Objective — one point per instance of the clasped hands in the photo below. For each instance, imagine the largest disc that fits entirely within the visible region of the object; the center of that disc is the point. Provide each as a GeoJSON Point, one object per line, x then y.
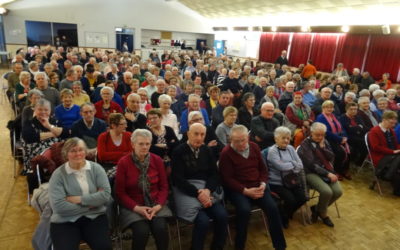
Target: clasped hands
{"type": "Point", "coordinates": [255, 192]}
{"type": "Point", "coordinates": [204, 197]}
{"type": "Point", "coordinates": [147, 212]}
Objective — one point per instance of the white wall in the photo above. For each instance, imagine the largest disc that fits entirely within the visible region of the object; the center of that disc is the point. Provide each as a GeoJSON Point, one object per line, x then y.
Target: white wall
{"type": "Point", "coordinates": [103, 16]}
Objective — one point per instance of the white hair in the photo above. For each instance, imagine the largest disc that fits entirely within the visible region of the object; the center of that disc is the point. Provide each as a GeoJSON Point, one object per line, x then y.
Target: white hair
{"type": "Point", "coordinates": [373, 87]}
{"type": "Point", "coordinates": [40, 74]}
{"type": "Point", "coordinates": [107, 88]}
{"type": "Point", "coordinates": [127, 73]}
{"type": "Point", "coordinates": [141, 133]}
{"type": "Point", "coordinates": [193, 114]}
{"type": "Point", "coordinates": [317, 126]}
{"type": "Point", "coordinates": [133, 95]}
{"type": "Point", "coordinates": [378, 92]}
{"type": "Point", "coordinates": [282, 131]}
{"type": "Point", "coordinates": [164, 98]}
{"type": "Point", "coordinates": [239, 129]}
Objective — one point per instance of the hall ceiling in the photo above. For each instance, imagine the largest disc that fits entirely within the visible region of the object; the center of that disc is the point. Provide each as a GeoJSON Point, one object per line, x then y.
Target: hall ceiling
{"type": "Point", "coordinates": [216, 9]}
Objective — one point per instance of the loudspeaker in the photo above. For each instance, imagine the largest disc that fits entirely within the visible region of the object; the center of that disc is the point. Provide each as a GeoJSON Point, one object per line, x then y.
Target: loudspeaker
{"type": "Point", "coordinates": [386, 29]}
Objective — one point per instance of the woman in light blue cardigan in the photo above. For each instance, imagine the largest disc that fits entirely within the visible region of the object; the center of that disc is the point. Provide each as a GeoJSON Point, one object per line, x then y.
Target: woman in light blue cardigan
{"type": "Point", "coordinates": [282, 160]}
{"type": "Point", "coordinates": [78, 193]}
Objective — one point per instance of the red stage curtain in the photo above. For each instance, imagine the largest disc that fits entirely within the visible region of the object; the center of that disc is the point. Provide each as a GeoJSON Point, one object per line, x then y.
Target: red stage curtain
{"type": "Point", "coordinates": [323, 51]}
{"type": "Point", "coordinates": [271, 45]}
{"type": "Point", "coordinates": [299, 48]}
{"type": "Point", "coordinates": [351, 51]}
{"type": "Point", "coordinates": [383, 56]}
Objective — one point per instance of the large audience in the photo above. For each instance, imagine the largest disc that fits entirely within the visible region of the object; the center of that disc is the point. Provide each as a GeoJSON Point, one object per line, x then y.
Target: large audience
{"type": "Point", "coordinates": [188, 134]}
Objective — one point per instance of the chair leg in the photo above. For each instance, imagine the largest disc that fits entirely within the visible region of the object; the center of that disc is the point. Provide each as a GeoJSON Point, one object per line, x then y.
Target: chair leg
{"type": "Point", "coordinates": [337, 210]}
{"type": "Point", "coordinates": [379, 185]}
{"type": "Point", "coordinates": [179, 234]}
{"type": "Point", "coordinates": [229, 235]}
{"type": "Point", "coordinates": [304, 214]}
{"type": "Point", "coordinates": [170, 237]}
{"type": "Point", "coordinates": [265, 222]}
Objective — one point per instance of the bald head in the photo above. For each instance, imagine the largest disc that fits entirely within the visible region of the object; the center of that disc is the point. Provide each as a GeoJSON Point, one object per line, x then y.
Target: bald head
{"type": "Point", "coordinates": [267, 110]}
{"type": "Point", "coordinates": [196, 135]}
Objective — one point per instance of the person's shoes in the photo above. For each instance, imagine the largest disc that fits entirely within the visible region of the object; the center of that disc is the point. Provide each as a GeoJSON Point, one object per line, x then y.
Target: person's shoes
{"type": "Point", "coordinates": [314, 214]}
{"type": "Point", "coordinates": [327, 221]}
{"type": "Point", "coordinates": [340, 177]}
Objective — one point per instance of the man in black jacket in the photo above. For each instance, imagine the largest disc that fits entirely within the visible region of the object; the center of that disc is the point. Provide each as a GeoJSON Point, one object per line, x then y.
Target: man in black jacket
{"type": "Point", "coordinates": [282, 60]}
{"type": "Point", "coordinates": [263, 126]}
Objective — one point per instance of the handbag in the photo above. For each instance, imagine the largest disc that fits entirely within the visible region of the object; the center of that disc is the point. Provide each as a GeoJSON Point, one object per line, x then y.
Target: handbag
{"type": "Point", "coordinates": [291, 180]}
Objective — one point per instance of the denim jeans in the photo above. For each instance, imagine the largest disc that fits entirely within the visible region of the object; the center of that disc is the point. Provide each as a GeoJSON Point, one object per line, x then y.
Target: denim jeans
{"type": "Point", "coordinates": [219, 216]}
{"type": "Point", "coordinates": [243, 205]}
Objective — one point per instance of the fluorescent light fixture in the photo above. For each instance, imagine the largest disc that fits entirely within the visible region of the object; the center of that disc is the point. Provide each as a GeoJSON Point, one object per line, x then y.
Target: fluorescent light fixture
{"type": "Point", "coordinates": [345, 28]}
{"type": "Point", "coordinates": [2, 10]}
{"type": "Point", "coordinates": [274, 28]}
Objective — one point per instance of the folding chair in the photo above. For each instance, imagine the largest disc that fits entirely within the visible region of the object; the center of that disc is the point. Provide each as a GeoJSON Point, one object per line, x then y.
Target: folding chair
{"type": "Point", "coordinates": [368, 160]}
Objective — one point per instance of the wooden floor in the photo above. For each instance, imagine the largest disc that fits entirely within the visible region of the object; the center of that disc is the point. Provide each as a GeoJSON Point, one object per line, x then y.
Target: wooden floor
{"type": "Point", "coordinates": [368, 221]}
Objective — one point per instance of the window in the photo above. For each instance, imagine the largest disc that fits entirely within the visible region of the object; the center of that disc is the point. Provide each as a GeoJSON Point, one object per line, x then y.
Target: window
{"type": "Point", "coordinates": [39, 33]}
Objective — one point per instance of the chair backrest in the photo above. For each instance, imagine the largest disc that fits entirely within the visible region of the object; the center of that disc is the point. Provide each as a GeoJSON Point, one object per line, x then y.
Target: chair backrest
{"type": "Point", "coordinates": [369, 151]}
{"type": "Point", "coordinates": [264, 155]}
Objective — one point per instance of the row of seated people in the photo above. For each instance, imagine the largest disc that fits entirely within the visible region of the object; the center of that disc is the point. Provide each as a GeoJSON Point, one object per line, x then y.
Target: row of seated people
{"type": "Point", "coordinates": [79, 189]}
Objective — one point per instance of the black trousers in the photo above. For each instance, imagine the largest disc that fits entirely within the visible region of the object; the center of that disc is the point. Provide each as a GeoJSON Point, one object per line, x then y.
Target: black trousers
{"type": "Point", "coordinates": [341, 163]}
{"type": "Point", "coordinates": [358, 150]}
{"type": "Point", "coordinates": [292, 199]}
{"type": "Point", "coordinates": [67, 236]}
{"type": "Point", "coordinates": [141, 232]}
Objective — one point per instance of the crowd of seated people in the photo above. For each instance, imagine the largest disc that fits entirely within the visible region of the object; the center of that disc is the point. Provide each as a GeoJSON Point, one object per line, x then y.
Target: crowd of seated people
{"type": "Point", "coordinates": [173, 118]}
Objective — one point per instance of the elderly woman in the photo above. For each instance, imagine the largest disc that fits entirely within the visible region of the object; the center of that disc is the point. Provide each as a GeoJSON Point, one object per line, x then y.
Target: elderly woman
{"type": "Point", "coordinates": [106, 106]}
{"type": "Point", "coordinates": [356, 130]}
{"type": "Point", "coordinates": [144, 101]}
{"type": "Point", "coordinates": [22, 88]}
{"type": "Point", "coordinates": [40, 132]}
{"type": "Point", "coordinates": [382, 107]}
{"type": "Point", "coordinates": [392, 103]}
{"type": "Point", "coordinates": [78, 193]}
{"type": "Point", "coordinates": [317, 157]}
{"type": "Point", "coordinates": [67, 112]}
{"type": "Point", "coordinates": [168, 117]}
{"type": "Point", "coordinates": [270, 97]}
{"type": "Point", "coordinates": [80, 97]}
{"type": "Point", "coordinates": [115, 143]}
{"type": "Point", "coordinates": [369, 118]}
{"type": "Point", "coordinates": [223, 130]}
{"type": "Point", "coordinates": [337, 139]}
{"type": "Point", "coordinates": [248, 110]}
{"type": "Point", "coordinates": [34, 96]}
{"type": "Point", "coordinates": [301, 117]}
{"type": "Point", "coordinates": [164, 138]}
{"type": "Point", "coordinates": [54, 80]}
{"type": "Point", "coordinates": [285, 165]}
{"type": "Point", "coordinates": [142, 190]}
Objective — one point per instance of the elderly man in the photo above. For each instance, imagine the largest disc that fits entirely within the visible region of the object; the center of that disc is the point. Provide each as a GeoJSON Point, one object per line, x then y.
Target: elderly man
{"type": "Point", "coordinates": [132, 113]}
{"type": "Point", "coordinates": [216, 113]}
{"type": "Point", "coordinates": [88, 128]}
{"type": "Point", "coordinates": [231, 83]}
{"type": "Point", "coordinates": [195, 175]}
{"type": "Point", "coordinates": [356, 76]}
{"type": "Point", "coordinates": [317, 157]}
{"type": "Point", "coordinates": [124, 83]}
{"type": "Point", "coordinates": [70, 78]}
{"type": "Point", "coordinates": [244, 176]}
{"type": "Point", "coordinates": [326, 94]}
{"type": "Point", "coordinates": [50, 93]}
{"type": "Point", "coordinates": [365, 81]}
{"type": "Point", "coordinates": [160, 85]}
{"type": "Point", "coordinates": [282, 60]}
{"type": "Point", "coordinates": [287, 96]}
{"type": "Point", "coordinates": [264, 125]}
{"type": "Point", "coordinates": [193, 105]}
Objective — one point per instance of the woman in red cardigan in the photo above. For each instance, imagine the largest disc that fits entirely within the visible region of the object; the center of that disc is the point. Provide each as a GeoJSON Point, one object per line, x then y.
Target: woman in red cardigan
{"type": "Point", "coordinates": [142, 190]}
{"type": "Point", "coordinates": [106, 106]}
{"type": "Point", "coordinates": [115, 143]}
{"type": "Point", "coordinates": [385, 150]}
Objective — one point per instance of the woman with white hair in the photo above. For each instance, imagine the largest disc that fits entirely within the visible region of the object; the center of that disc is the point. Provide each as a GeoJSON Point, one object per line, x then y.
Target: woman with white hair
{"type": "Point", "coordinates": [317, 158]}
{"type": "Point", "coordinates": [141, 187]}
{"type": "Point", "coordinates": [168, 117]}
{"type": "Point", "coordinates": [144, 101]}
{"type": "Point", "coordinates": [106, 105]}
{"type": "Point", "coordinates": [286, 176]}
{"type": "Point", "coordinates": [392, 104]}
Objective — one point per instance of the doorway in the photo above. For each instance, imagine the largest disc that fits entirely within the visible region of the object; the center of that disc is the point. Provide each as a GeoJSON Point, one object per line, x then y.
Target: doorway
{"type": "Point", "coordinates": [124, 39]}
